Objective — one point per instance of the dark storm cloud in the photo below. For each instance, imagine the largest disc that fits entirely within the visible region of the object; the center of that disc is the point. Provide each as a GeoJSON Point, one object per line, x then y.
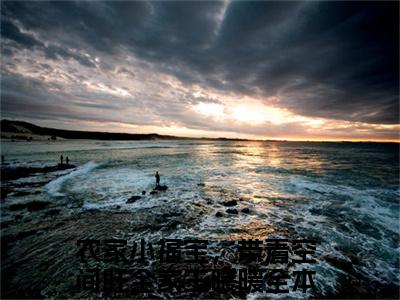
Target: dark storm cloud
{"type": "Point", "coordinates": [10, 31]}
{"type": "Point", "coordinates": [324, 59]}
{"type": "Point", "coordinates": [27, 98]}
{"type": "Point", "coordinates": [32, 99]}
{"type": "Point", "coordinates": [54, 52]}
{"type": "Point", "coordinates": [22, 40]}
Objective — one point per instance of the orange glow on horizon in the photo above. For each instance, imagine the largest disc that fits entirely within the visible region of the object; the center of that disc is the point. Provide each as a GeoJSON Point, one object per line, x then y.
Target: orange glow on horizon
{"type": "Point", "coordinates": [193, 133]}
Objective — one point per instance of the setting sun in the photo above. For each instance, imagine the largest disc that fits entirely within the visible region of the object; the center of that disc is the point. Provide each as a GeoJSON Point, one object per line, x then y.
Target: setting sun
{"type": "Point", "coordinates": [210, 109]}
{"type": "Point", "coordinates": [250, 113]}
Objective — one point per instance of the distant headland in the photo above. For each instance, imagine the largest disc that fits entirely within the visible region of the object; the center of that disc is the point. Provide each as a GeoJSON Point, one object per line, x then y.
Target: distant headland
{"type": "Point", "coordinates": [25, 131]}
{"type": "Point", "coordinates": [20, 130]}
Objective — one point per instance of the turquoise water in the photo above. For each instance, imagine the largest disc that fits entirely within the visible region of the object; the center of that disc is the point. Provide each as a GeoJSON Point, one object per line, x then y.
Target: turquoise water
{"type": "Point", "coordinates": [344, 195]}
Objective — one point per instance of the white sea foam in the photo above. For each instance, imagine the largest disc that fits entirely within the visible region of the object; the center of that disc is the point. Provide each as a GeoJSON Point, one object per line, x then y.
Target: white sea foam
{"type": "Point", "coordinates": [54, 187]}
{"type": "Point", "coordinates": [363, 201]}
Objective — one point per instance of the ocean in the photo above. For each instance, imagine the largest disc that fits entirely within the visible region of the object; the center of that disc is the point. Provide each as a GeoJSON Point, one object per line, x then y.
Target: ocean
{"type": "Point", "coordinates": [345, 196]}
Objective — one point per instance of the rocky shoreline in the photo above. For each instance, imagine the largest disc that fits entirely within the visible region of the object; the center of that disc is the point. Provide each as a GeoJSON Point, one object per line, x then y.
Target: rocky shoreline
{"type": "Point", "coordinates": [13, 173]}
{"type": "Point", "coordinates": [39, 242]}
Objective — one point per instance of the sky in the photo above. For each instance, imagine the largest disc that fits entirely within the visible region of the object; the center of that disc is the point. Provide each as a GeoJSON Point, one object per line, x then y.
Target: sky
{"type": "Point", "coordinates": [262, 70]}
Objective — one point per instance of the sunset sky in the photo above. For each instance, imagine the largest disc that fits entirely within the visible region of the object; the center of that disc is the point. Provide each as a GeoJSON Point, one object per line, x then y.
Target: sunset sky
{"type": "Point", "coordinates": [263, 70]}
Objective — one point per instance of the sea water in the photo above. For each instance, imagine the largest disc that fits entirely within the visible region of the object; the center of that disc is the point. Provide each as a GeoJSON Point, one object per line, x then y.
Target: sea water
{"type": "Point", "coordinates": [343, 195]}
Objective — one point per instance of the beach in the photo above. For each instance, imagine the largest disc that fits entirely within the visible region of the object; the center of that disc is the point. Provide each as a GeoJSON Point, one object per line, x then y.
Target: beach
{"type": "Point", "coordinates": [342, 195]}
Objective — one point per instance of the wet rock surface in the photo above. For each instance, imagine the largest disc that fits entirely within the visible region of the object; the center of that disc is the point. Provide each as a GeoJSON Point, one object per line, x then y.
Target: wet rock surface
{"type": "Point", "coordinates": [232, 211]}
{"type": "Point", "coordinates": [33, 251]}
{"type": "Point", "coordinates": [230, 203]}
{"type": "Point", "coordinates": [158, 188]}
{"type": "Point", "coordinates": [245, 210]}
{"type": "Point", "coordinates": [10, 173]}
{"type": "Point", "coordinates": [133, 199]}
{"type": "Point", "coordinates": [52, 212]}
{"type": "Point", "coordinates": [30, 206]}
{"type": "Point", "coordinates": [161, 188]}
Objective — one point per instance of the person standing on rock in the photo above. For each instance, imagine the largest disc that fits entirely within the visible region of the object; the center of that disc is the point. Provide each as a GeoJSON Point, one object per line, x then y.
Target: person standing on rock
{"type": "Point", "coordinates": [157, 179]}
{"type": "Point", "coordinates": [61, 159]}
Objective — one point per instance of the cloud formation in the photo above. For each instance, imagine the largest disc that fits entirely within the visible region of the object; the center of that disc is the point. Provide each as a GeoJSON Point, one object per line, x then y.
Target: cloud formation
{"type": "Point", "coordinates": [334, 64]}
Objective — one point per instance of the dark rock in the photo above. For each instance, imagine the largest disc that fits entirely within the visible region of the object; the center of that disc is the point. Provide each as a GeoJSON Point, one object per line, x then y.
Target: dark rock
{"type": "Point", "coordinates": [15, 173]}
{"type": "Point", "coordinates": [36, 205]}
{"type": "Point", "coordinates": [18, 217]}
{"type": "Point", "coordinates": [52, 212]}
{"type": "Point", "coordinates": [232, 211]}
{"type": "Point", "coordinates": [118, 207]}
{"type": "Point", "coordinates": [5, 224]}
{"type": "Point", "coordinates": [143, 193]}
{"type": "Point", "coordinates": [133, 199]}
{"type": "Point", "coordinates": [153, 192]}
{"type": "Point", "coordinates": [17, 206]}
{"type": "Point", "coordinates": [219, 214]}
{"type": "Point", "coordinates": [24, 234]}
{"type": "Point", "coordinates": [24, 193]}
{"type": "Point", "coordinates": [354, 259]}
{"type": "Point", "coordinates": [31, 206]}
{"type": "Point", "coordinates": [201, 184]}
{"type": "Point", "coordinates": [31, 185]}
{"type": "Point", "coordinates": [245, 210]}
{"type": "Point", "coordinates": [161, 188]}
{"type": "Point", "coordinates": [229, 203]}
{"type": "Point", "coordinates": [339, 263]}
{"type": "Point", "coordinates": [20, 193]}
{"type": "Point", "coordinates": [65, 166]}
{"type": "Point", "coordinates": [174, 214]}
{"type": "Point", "coordinates": [209, 201]}
{"type": "Point", "coordinates": [3, 193]}
{"type": "Point", "coordinates": [172, 225]}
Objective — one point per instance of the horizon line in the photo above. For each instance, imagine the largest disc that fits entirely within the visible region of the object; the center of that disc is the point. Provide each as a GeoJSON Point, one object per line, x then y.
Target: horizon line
{"type": "Point", "coordinates": [311, 140]}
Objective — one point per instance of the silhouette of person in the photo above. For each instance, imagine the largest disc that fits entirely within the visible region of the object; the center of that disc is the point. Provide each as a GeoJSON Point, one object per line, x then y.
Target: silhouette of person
{"type": "Point", "coordinates": [157, 179]}
{"type": "Point", "coordinates": [61, 159]}
{"type": "Point", "coordinates": [67, 160]}
{"type": "Point", "coordinates": [2, 159]}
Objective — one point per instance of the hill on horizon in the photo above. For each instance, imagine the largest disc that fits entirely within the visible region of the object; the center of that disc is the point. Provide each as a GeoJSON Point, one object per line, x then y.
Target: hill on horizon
{"type": "Point", "coordinates": [11, 129]}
